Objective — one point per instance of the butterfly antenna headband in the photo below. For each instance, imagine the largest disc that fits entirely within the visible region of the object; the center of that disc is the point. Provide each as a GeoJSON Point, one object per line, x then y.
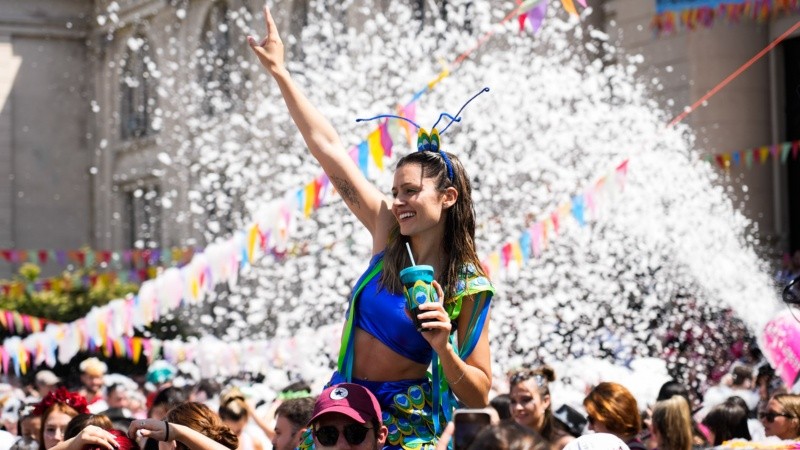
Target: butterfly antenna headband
{"type": "Point", "coordinates": [457, 118]}
{"type": "Point", "coordinates": [430, 142]}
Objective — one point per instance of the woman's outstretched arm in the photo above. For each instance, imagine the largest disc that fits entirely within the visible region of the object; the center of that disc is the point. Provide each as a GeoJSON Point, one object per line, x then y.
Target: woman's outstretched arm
{"type": "Point", "coordinates": [369, 205]}
{"type": "Point", "coordinates": [161, 430]}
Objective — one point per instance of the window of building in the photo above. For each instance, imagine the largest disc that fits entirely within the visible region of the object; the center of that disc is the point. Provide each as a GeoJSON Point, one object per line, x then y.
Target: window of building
{"type": "Point", "coordinates": [145, 214]}
{"type": "Point", "coordinates": [216, 60]}
{"type": "Point", "coordinates": [137, 88]}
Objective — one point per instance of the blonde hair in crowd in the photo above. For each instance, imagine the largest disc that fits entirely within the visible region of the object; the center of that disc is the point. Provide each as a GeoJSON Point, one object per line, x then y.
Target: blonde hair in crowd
{"type": "Point", "coordinates": [672, 419]}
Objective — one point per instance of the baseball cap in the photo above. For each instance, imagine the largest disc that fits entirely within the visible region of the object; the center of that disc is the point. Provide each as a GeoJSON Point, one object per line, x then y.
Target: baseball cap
{"type": "Point", "coordinates": [352, 400]}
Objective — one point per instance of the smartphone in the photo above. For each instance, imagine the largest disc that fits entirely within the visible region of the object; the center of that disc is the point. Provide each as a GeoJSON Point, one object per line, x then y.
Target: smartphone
{"type": "Point", "coordinates": [468, 423]}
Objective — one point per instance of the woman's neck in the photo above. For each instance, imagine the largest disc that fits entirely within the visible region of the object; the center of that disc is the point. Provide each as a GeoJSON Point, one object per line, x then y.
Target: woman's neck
{"type": "Point", "coordinates": [428, 250]}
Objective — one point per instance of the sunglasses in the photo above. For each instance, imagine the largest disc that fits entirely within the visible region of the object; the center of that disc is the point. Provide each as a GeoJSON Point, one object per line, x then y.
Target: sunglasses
{"type": "Point", "coordinates": [770, 416]}
{"type": "Point", "coordinates": [525, 375]}
{"type": "Point", "coordinates": [354, 434]}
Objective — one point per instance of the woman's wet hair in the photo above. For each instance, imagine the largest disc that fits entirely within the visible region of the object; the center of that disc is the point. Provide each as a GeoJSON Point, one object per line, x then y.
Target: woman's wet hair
{"type": "Point", "coordinates": [459, 230]}
{"type": "Point", "coordinates": [728, 420]}
{"type": "Point", "coordinates": [232, 406]}
{"type": "Point", "coordinates": [202, 419]}
{"type": "Point", "coordinates": [509, 435]}
{"type": "Point", "coordinates": [615, 407]}
{"type": "Point", "coordinates": [673, 420]}
{"type": "Point", "coordinates": [81, 421]}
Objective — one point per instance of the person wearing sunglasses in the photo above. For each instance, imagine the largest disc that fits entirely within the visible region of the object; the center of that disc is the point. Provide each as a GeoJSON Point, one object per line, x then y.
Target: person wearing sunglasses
{"type": "Point", "coordinates": [781, 417]}
{"type": "Point", "coordinates": [346, 416]}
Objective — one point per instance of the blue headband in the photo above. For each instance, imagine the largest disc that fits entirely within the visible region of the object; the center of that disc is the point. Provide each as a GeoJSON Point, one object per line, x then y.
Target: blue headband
{"type": "Point", "coordinates": [430, 142]}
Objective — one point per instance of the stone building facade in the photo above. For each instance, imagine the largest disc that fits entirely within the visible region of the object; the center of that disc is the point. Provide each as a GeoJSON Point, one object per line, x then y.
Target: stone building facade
{"type": "Point", "coordinates": [85, 141]}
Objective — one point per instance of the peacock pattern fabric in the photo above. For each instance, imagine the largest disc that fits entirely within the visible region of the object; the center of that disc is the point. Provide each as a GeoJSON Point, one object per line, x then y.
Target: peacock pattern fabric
{"type": "Point", "coordinates": [416, 411]}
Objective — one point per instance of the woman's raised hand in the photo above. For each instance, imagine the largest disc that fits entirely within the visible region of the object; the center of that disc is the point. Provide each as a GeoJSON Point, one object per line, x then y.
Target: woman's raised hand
{"type": "Point", "coordinates": [150, 428]}
{"type": "Point", "coordinates": [438, 328]}
{"type": "Point", "coordinates": [94, 436]}
{"type": "Point", "coordinates": [270, 49]}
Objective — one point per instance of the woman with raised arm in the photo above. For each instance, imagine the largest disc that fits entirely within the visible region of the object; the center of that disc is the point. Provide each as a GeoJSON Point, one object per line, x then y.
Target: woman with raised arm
{"type": "Point", "coordinates": [432, 212]}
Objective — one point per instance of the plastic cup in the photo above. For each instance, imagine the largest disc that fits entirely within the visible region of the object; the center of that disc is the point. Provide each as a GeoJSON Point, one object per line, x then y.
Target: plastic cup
{"type": "Point", "coordinates": [418, 289]}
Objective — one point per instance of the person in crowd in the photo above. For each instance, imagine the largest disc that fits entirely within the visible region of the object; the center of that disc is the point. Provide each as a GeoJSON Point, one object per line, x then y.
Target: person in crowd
{"type": "Point", "coordinates": [291, 420]}
{"type": "Point", "coordinates": [295, 389]}
{"type": "Point", "coordinates": [671, 426]}
{"type": "Point", "coordinates": [346, 415]}
{"type": "Point", "coordinates": [727, 421]}
{"type": "Point", "coordinates": [93, 437]}
{"type": "Point", "coordinates": [754, 426]}
{"type": "Point", "coordinates": [44, 382]}
{"type": "Point", "coordinates": [82, 421]}
{"type": "Point", "coordinates": [781, 417]}
{"type": "Point", "coordinates": [118, 399]}
{"type": "Point", "coordinates": [117, 396]}
{"type": "Point", "coordinates": [508, 435]}
{"type": "Point", "coordinates": [10, 404]}
{"type": "Point", "coordinates": [432, 218]}
{"type": "Point", "coordinates": [56, 410]}
{"type": "Point", "coordinates": [667, 391]}
{"type": "Point", "coordinates": [29, 424]}
{"type": "Point", "coordinates": [159, 377]}
{"type": "Point", "coordinates": [531, 404]}
{"type": "Point", "coordinates": [165, 400]}
{"type": "Point", "coordinates": [611, 408]}
{"type": "Point", "coordinates": [210, 434]}
{"type": "Point", "coordinates": [502, 404]}
{"type": "Point", "coordinates": [202, 419]}
{"type": "Point", "coordinates": [236, 413]}
{"type": "Point", "coordinates": [92, 372]}
{"type": "Point", "coordinates": [597, 441]}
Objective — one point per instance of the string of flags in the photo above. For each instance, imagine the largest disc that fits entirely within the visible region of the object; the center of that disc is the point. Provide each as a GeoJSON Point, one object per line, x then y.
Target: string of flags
{"type": "Point", "coordinates": [135, 258]}
{"type": "Point", "coordinates": [533, 12]}
{"type": "Point", "coordinates": [516, 253]}
{"type": "Point", "coordinates": [110, 327]}
{"type": "Point", "coordinates": [16, 323]}
{"type": "Point", "coordinates": [780, 152]}
{"type": "Point", "coordinates": [676, 15]}
{"type": "Point", "coordinates": [69, 282]}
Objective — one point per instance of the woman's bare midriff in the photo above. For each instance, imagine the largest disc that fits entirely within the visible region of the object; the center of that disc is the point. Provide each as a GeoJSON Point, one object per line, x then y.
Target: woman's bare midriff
{"type": "Point", "coordinates": [374, 361]}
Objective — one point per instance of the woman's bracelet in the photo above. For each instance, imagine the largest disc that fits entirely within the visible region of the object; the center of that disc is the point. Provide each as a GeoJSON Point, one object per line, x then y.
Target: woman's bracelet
{"type": "Point", "coordinates": [166, 431]}
{"type": "Point", "coordinates": [459, 378]}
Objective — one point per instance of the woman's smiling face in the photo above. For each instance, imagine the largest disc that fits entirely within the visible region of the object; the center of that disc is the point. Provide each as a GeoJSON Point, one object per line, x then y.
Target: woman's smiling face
{"type": "Point", "coordinates": [527, 405]}
{"type": "Point", "coordinates": [418, 206]}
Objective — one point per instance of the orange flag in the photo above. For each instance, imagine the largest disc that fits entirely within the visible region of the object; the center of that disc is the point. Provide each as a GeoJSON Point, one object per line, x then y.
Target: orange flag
{"type": "Point", "coordinates": [569, 6]}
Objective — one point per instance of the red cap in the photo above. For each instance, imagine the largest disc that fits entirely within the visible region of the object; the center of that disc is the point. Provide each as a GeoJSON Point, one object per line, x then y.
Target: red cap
{"type": "Point", "coordinates": [352, 400]}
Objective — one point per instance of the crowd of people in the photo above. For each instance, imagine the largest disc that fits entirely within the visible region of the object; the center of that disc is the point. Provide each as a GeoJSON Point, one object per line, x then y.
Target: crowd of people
{"type": "Point", "coordinates": [173, 409]}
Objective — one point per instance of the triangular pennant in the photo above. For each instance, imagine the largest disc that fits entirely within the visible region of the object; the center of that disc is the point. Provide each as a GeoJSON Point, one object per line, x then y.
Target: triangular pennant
{"type": "Point", "coordinates": [569, 6]}
{"type": "Point", "coordinates": [363, 157]}
{"type": "Point", "coordinates": [386, 140]}
{"type": "Point", "coordinates": [376, 148]}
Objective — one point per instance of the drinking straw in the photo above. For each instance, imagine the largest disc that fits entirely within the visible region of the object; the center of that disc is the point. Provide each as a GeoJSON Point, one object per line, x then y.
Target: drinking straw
{"type": "Point", "coordinates": [410, 255]}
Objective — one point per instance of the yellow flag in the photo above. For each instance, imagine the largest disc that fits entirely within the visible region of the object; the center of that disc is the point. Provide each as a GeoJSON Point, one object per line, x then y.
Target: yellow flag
{"type": "Point", "coordinates": [309, 199]}
{"type": "Point", "coordinates": [376, 148]}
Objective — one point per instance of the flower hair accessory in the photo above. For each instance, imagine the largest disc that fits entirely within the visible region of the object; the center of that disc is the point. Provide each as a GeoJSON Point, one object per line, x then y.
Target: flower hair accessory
{"type": "Point", "coordinates": [430, 142]}
{"type": "Point", "coordinates": [62, 395]}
